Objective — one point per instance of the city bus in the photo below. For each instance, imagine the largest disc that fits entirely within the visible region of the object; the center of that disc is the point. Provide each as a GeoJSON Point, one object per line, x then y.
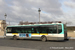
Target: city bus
{"type": "Point", "coordinates": [44, 32]}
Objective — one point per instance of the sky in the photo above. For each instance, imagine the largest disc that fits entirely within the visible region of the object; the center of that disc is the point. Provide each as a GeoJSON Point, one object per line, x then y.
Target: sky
{"type": "Point", "coordinates": [27, 10]}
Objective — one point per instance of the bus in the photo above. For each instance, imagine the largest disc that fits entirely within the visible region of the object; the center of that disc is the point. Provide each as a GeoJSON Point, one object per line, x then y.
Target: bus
{"type": "Point", "coordinates": [44, 32]}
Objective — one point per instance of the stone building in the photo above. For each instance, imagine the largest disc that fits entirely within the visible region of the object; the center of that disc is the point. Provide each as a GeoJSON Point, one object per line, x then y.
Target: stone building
{"type": "Point", "coordinates": [71, 31]}
{"type": "Point", "coordinates": [2, 27]}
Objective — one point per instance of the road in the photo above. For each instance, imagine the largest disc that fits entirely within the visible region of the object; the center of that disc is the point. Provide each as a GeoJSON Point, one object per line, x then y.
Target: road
{"type": "Point", "coordinates": [37, 44]}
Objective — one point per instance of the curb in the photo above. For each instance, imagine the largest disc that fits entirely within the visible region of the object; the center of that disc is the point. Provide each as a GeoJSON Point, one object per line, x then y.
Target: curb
{"type": "Point", "coordinates": [71, 38]}
{"type": "Point", "coordinates": [2, 36]}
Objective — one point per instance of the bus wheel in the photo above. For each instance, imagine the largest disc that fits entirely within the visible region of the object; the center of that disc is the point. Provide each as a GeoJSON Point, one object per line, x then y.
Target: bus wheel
{"type": "Point", "coordinates": [43, 38]}
{"type": "Point", "coordinates": [15, 37]}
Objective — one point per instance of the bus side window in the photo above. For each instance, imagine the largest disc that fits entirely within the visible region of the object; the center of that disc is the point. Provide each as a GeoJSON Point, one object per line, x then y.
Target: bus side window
{"type": "Point", "coordinates": [28, 30]}
{"type": "Point", "coordinates": [59, 28]}
{"type": "Point", "coordinates": [36, 30]}
{"type": "Point", "coordinates": [9, 30]}
{"type": "Point", "coordinates": [33, 30]}
{"type": "Point", "coordinates": [25, 30]}
{"type": "Point", "coordinates": [54, 30]}
{"type": "Point", "coordinates": [17, 31]}
{"type": "Point", "coordinates": [22, 31]}
{"type": "Point", "coordinates": [49, 30]}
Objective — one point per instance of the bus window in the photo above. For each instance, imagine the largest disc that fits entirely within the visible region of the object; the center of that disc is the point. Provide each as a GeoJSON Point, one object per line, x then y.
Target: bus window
{"type": "Point", "coordinates": [52, 30]}
{"type": "Point", "coordinates": [37, 31]}
{"type": "Point", "coordinates": [27, 30]}
{"type": "Point", "coordinates": [49, 30]}
{"type": "Point", "coordinates": [33, 30]}
{"type": "Point", "coordinates": [65, 28]}
{"type": "Point", "coordinates": [41, 30]}
{"type": "Point", "coordinates": [59, 28]}
{"type": "Point", "coordinates": [9, 30]}
{"type": "Point", "coordinates": [17, 30]}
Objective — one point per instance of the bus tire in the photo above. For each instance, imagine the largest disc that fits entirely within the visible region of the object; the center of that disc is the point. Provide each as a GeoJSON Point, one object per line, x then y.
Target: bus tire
{"type": "Point", "coordinates": [43, 38]}
{"type": "Point", "coordinates": [15, 37]}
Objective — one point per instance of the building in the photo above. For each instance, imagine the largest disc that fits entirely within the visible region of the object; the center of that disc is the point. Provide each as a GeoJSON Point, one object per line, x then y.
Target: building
{"type": "Point", "coordinates": [71, 31]}
{"type": "Point", "coordinates": [2, 27]}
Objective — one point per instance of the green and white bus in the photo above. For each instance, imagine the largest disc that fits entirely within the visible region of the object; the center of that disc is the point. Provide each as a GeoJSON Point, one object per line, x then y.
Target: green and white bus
{"type": "Point", "coordinates": [38, 31]}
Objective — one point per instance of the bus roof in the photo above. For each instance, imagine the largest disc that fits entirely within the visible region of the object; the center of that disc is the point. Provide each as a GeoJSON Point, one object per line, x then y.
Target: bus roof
{"type": "Point", "coordinates": [34, 25]}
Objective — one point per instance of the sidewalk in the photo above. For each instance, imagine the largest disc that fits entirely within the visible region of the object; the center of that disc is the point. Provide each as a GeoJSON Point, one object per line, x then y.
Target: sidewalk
{"type": "Point", "coordinates": [14, 48]}
{"type": "Point", "coordinates": [2, 36]}
{"type": "Point", "coordinates": [71, 38]}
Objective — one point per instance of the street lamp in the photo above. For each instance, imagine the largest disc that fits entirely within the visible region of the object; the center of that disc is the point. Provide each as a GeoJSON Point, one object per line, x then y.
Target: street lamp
{"type": "Point", "coordinates": [5, 16]}
{"type": "Point", "coordinates": [39, 14]}
{"type": "Point", "coordinates": [5, 25]}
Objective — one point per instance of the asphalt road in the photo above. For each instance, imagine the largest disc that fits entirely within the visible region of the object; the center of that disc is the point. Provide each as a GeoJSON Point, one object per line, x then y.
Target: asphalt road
{"type": "Point", "coordinates": [37, 44]}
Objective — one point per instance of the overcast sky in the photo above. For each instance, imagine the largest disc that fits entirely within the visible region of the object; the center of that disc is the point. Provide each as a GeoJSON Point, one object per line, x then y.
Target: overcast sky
{"type": "Point", "coordinates": [27, 10]}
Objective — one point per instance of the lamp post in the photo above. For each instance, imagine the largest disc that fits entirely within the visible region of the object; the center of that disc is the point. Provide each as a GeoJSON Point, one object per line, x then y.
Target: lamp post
{"type": "Point", "coordinates": [5, 25]}
{"type": "Point", "coordinates": [5, 16]}
{"type": "Point", "coordinates": [39, 14]}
